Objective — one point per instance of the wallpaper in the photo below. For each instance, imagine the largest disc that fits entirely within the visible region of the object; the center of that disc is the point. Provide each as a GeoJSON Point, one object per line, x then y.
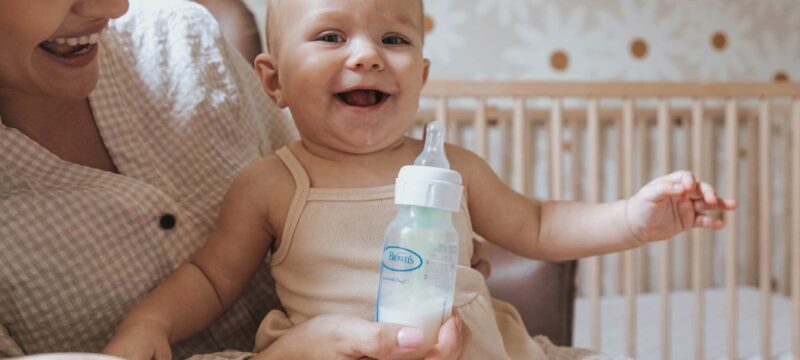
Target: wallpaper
{"type": "Point", "coordinates": [675, 40]}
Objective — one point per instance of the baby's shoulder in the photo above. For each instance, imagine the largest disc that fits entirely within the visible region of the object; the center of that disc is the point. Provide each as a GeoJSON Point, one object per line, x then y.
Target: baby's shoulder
{"type": "Point", "coordinates": [266, 178]}
{"type": "Point", "coordinates": [466, 162]}
{"type": "Point", "coordinates": [269, 172]}
{"type": "Point", "coordinates": [268, 185]}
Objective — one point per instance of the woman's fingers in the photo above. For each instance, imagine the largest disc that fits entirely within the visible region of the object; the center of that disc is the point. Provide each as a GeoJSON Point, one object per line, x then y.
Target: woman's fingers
{"type": "Point", "coordinates": [382, 340]}
{"type": "Point", "coordinates": [450, 341]}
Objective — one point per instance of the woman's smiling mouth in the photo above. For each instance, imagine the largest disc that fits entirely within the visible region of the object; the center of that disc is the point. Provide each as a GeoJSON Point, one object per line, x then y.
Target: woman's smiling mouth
{"type": "Point", "coordinates": [70, 47]}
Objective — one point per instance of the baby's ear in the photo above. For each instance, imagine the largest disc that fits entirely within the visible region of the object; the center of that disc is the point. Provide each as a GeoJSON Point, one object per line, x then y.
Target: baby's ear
{"type": "Point", "coordinates": [267, 70]}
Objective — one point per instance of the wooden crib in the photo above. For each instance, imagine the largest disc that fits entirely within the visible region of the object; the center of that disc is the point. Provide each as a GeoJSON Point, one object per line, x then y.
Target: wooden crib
{"type": "Point", "coordinates": [604, 141]}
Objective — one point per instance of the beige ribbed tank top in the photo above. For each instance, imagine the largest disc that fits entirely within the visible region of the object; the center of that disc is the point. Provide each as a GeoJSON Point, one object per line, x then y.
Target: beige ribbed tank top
{"type": "Point", "coordinates": [329, 259]}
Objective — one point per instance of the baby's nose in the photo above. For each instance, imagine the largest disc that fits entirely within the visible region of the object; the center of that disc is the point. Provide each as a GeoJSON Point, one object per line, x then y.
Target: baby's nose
{"type": "Point", "coordinates": [365, 57]}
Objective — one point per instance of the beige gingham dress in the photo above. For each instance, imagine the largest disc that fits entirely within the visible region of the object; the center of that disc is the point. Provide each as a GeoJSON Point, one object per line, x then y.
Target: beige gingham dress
{"type": "Point", "coordinates": [181, 114]}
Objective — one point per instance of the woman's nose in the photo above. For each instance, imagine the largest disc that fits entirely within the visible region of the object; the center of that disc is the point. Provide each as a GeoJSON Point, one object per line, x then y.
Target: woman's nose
{"type": "Point", "coordinates": [110, 9]}
{"type": "Point", "coordinates": [365, 56]}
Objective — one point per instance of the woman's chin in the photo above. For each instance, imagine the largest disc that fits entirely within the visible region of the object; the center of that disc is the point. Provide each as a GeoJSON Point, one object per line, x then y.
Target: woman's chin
{"type": "Point", "coordinates": [67, 82]}
{"type": "Point", "coordinates": [77, 88]}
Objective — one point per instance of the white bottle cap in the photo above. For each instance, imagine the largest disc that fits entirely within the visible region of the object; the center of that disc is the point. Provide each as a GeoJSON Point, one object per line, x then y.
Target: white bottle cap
{"type": "Point", "coordinates": [428, 186]}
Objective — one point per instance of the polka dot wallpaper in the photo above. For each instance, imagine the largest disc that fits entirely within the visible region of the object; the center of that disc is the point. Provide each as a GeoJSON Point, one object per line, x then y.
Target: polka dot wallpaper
{"type": "Point", "coordinates": [676, 40]}
{"type": "Point", "coordinates": [704, 40]}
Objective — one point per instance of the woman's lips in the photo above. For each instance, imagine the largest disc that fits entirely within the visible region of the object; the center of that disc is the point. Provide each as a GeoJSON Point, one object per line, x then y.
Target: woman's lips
{"type": "Point", "coordinates": [71, 46]}
{"type": "Point", "coordinates": [78, 57]}
{"type": "Point", "coordinates": [76, 51]}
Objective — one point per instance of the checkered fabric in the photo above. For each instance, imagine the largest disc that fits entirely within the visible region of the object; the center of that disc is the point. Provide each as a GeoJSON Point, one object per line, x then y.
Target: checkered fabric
{"type": "Point", "coordinates": [552, 352]}
{"type": "Point", "coordinates": [181, 114]}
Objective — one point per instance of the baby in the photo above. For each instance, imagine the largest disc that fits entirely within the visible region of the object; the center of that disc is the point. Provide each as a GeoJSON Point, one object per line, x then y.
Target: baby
{"type": "Point", "coordinates": [351, 73]}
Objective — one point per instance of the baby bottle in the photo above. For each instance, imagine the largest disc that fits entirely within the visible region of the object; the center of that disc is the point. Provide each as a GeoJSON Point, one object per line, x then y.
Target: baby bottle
{"type": "Point", "coordinates": [420, 251]}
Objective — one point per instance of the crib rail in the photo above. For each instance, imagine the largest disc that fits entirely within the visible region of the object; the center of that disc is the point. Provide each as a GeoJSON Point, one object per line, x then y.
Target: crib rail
{"type": "Point", "coordinates": [706, 115]}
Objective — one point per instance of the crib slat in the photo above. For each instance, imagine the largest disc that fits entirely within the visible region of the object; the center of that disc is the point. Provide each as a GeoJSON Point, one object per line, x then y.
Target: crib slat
{"type": "Point", "coordinates": [480, 128]}
{"type": "Point", "coordinates": [556, 148]}
{"type": "Point", "coordinates": [796, 227]}
{"type": "Point", "coordinates": [697, 238]}
{"type": "Point", "coordinates": [519, 134]}
{"type": "Point", "coordinates": [709, 176]}
{"type": "Point", "coordinates": [441, 115]}
{"type": "Point", "coordinates": [665, 283]}
{"type": "Point", "coordinates": [576, 156]}
{"type": "Point", "coordinates": [688, 158]}
{"type": "Point", "coordinates": [765, 248]}
{"type": "Point", "coordinates": [627, 191]}
{"type": "Point", "coordinates": [788, 192]}
{"type": "Point", "coordinates": [619, 183]}
{"type": "Point", "coordinates": [593, 196]}
{"type": "Point", "coordinates": [644, 267]}
{"type": "Point", "coordinates": [506, 152]}
{"type": "Point", "coordinates": [451, 122]}
{"type": "Point", "coordinates": [751, 251]}
{"type": "Point", "coordinates": [731, 254]}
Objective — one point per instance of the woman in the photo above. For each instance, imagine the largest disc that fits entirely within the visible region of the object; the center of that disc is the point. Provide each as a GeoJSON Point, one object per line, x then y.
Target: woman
{"type": "Point", "coordinates": [119, 137]}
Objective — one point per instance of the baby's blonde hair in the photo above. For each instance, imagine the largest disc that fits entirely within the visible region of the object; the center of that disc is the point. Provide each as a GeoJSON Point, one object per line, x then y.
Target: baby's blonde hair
{"type": "Point", "coordinates": [274, 21]}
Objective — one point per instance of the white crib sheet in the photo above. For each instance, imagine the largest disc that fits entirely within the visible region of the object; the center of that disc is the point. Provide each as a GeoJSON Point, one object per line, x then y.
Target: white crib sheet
{"type": "Point", "coordinates": [649, 325]}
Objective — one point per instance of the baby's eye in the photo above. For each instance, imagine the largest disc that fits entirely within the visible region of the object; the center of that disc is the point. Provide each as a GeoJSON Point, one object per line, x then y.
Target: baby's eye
{"type": "Point", "coordinates": [394, 40]}
{"type": "Point", "coordinates": [331, 38]}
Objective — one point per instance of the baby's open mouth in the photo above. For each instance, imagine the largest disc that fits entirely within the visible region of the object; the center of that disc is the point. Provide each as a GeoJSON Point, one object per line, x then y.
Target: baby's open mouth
{"type": "Point", "coordinates": [362, 98]}
{"type": "Point", "coordinates": [71, 47]}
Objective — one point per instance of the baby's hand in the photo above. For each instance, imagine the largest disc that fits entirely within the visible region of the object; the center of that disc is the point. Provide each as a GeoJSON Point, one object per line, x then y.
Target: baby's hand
{"type": "Point", "coordinates": [140, 340]}
{"type": "Point", "coordinates": [672, 204]}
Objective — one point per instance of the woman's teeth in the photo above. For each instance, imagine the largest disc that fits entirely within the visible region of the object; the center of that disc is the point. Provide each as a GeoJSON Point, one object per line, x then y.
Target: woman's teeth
{"type": "Point", "coordinates": [82, 40]}
{"type": "Point", "coordinates": [71, 46]}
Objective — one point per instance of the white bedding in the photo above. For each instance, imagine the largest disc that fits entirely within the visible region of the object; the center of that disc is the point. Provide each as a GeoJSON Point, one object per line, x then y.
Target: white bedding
{"type": "Point", "coordinates": [649, 329]}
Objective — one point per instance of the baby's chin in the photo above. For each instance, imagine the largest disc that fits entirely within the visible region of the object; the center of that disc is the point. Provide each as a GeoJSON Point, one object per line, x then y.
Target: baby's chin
{"type": "Point", "coordinates": [362, 145]}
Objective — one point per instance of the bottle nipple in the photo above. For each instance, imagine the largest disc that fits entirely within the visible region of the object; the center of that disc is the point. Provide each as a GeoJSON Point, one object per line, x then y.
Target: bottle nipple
{"type": "Point", "coordinates": [433, 153]}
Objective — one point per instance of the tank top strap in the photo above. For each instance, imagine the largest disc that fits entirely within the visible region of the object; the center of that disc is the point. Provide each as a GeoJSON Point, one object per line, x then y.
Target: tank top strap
{"type": "Point", "coordinates": [295, 167]}
{"type": "Point", "coordinates": [302, 189]}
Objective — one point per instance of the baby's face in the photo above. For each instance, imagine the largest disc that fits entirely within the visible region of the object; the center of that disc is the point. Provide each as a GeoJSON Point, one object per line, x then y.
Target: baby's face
{"type": "Point", "coordinates": [351, 71]}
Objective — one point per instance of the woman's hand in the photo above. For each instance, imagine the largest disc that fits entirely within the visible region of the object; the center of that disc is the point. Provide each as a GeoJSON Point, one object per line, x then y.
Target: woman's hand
{"type": "Point", "coordinates": [674, 203]}
{"type": "Point", "coordinates": [344, 337]}
{"type": "Point", "coordinates": [140, 340]}
{"type": "Point", "coordinates": [450, 342]}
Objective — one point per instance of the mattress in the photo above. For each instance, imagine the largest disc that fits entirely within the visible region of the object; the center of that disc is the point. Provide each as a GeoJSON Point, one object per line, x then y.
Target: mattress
{"type": "Point", "coordinates": [649, 327]}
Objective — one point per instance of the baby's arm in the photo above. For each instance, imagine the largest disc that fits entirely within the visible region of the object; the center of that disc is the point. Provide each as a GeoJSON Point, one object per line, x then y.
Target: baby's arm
{"type": "Point", "coordinates": [563, 230]}
{"type": "Point", "coordinates": [201, 289]}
